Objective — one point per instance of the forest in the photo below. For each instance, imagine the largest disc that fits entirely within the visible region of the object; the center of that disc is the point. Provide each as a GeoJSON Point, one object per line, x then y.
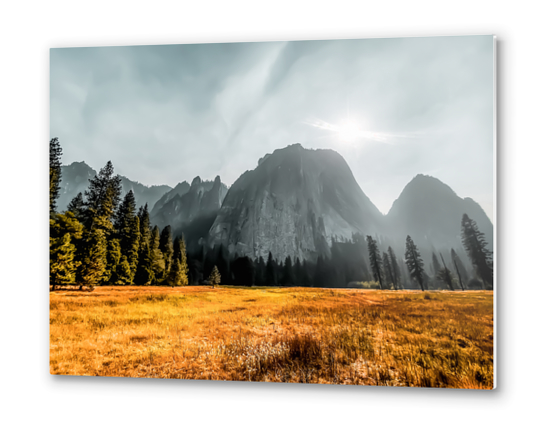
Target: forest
{"type": "Point", "coordinates": [103, 239]}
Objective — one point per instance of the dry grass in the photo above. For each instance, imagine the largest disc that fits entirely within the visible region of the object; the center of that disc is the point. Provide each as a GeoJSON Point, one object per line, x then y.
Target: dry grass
{"type": "Point", "coordinates": [441, 339]}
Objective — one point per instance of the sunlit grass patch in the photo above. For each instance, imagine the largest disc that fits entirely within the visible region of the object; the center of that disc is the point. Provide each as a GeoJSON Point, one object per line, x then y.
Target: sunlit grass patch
{"type": "Point", "coordinates": [303, 335]}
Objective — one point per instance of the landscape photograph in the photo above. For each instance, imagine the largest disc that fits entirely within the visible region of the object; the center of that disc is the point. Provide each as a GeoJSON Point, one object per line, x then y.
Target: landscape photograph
{"type": "Point", "coordinates": [317, 212]}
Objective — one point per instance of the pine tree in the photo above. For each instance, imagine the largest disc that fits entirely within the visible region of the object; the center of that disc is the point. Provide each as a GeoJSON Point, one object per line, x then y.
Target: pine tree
{"type": "Point", "coordinates": [475, 245]}
{"type": "Point", "coordinates": [102, 198]}
{"type": "Point", "coordinates": [298, 272]}
{"type": "Point", "coordinates": [414, 262]}
{"type": "Point", "coordinates": [270, 273]}
{"type": "Point", "coordinates": [144, 224]}
{"type": "Point", "coordinates": [166, 247]}
{"type": "Point", "coordinates": [459, 269]}
{"type": "Point", "coordinates": [77, 206]}
{"type": "Point", "coordinates": [94, 257]}
{"type": "Point", "coordinates": [436, 264]}
{"type": "Point", "coordinates": [445, 275]}
{"type": "Point", "coordinates": [124, 273]}
{"type": "Point", "coordinates": [114, 256]}
{"type": "Point", "coordinates": [174, 276]}
{"type": "Point", "coordinates": [288, 274]}
{"type": "Point", "coordinates": [375, 260]}
{"type": "Point", "coordinates": [157, 259]}
{"type": "Point", "coordinates": [395, 268]}
{"type": "Point", "coordinates": [388, 271]}
{"type": "Point", "coordinates": [144, 274]}
{"type": "Point", "coordinates": [65, 256]}
{"type": "Point", "coordinates": [55, 173]}
{"type": "Point", "coordinates": [61, 260]}
{"type": "Point", "coordinates": [183, 263]}
{"type": "Point", "coordinates": [214, 278]}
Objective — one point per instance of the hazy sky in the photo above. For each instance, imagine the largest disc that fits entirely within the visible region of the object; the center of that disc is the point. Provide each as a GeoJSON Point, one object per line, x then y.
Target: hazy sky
{"type": "Point", "coordinates": [393, 108]}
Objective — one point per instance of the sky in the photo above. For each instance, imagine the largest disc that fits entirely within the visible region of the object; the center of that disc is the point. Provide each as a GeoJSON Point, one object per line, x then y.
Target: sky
{"type": "Point", "coordinates": [393, 108]}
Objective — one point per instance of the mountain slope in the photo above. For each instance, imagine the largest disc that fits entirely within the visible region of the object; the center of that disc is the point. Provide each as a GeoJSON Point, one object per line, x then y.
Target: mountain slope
{"type": "Point", "coordinates": [430, 212]}
{"type": "Point", "coordinates": [292, 204]}
{"type": "Point", "coordinates": [75, 179]}
{"type": "Point", "coordinates": [202, 199]}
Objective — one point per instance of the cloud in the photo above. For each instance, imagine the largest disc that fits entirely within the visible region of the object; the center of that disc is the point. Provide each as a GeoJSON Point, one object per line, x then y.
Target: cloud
{"type": "Point", "coordinates": [164, 114]}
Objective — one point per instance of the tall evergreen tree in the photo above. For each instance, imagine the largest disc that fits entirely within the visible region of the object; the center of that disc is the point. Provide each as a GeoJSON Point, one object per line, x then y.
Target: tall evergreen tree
{"type": "Point", "coordinates": [55, 173]}
{"type": "Point", "coordinates": [395, 268]}
{"type": "Point", "coordinates": [298, 272]}
{"type": "Point", "coordinates": [174, 276]}
{"type": "Point", "coordinates": [77, 206]}
{"type": "Point", "coordinates": [183, 263]}
{"type": "Point", "coordinates": [414, 262]}
{"type": "Point", "coordinates": [460, 269]}
{"type": "Point", "coordinates": [214, 278]}
{"type": "Point", "coordinates": [102, 198]}
{"type": "Point", "coordinates": [61, 260]}
{"type": "Point", "coordinates": [288, 274]}
{"type": "Point", "coordinates": [144, 224]}
{"type": "Point", "coordinates": [475, 245]}
{"type": "Point", "coordinates": [166, 247]}
{"type": "Point", "coordinates": [375, 260]}
{"type": "Point", "coordinates": [388, 271]}
{"type": "Point", "coordinates": [157, 259]}
{"type": "Point", "coordinates": [445, 275]}
{"type": "Point", "coordinates": [270, 272]}
{"type": "Point", "coordinates": [144, 274]}
{"type": "Point", "coordinates": [436, 264]}
{"type": "Point", "coordinates": [94, 258]}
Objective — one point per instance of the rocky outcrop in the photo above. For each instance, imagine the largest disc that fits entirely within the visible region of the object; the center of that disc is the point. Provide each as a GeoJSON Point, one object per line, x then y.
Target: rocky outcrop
{"type": "Point", "coordinates": [202, 198]}
{"type": "Point", "coordinates": [292, 204]}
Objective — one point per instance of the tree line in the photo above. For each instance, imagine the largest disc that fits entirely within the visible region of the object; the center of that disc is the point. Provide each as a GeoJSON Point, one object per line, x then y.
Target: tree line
{"type": "Point", "coordinates": [102, 239]}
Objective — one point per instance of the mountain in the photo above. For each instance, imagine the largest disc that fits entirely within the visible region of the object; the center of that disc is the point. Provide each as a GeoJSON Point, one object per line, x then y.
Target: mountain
{"type": "Point", "coordinates": [203, 198]}
{"type": "Point", "coordinates": [75, 179]}
{"type": "Point", "coordinates": [430, 212]}
{"type": "Point", "coordinates": [292, 204]}
{"type": "Point", "coordinates": [180, 189]}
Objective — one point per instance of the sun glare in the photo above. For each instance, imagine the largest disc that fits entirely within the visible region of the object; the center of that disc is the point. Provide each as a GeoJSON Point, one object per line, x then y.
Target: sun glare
{"type": "Point", "coordinates": [349, 131]}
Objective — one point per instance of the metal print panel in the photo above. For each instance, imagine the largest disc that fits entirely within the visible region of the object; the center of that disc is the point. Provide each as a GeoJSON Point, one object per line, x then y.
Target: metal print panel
{"type": "Point", "coordinates": [301, 212]}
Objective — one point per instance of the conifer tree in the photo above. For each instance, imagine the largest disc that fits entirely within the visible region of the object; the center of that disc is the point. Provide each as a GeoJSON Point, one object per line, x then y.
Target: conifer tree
{"type": "Point", "coordinates": [144, 274]}
{"type": "Point", "coordinates": [174, 276]}
{"type": "Point", "coordinates": [475, 245]}
{"type": "Point", "coordinates": [55, 173]}
{"type": "Point", "coordinates": [462, 274]}
{"type": "Point", "coordinates": [270, 273]}
{"type": "Point", "coordinates": [375, 260]}
{"type": "Point", "coordinates": [436, 264]}
{"type": "Point", "coordinates": [114, 256]}
{"type": "Point", "coordinates": [183, 263]}
{"type": "Point", "coordinates": [445, 275]}
{"type": "Point", "coordinates": [61, 260]}
{"type": "Point", "coordinates": [395, 268]}
{"type": "Point", "coordinates": [94, 258]}
{"type": "Point", "coordinates": [77, 206]}
{"type": "Point", "coordinates": [388, 271]}
{"type": "Point", "coordinates": [144, 224]}
{"type": "Point", "coordinates": [414, 262]}
{"type": "Point", "coordinates": [298, 272]}
{"type": "Point", "coordinates": [124, 273]}
{"type": "Point", "coordinates": [157, 259]}
{"type": "Point", "coordinates": [166, 247]}
{"type": "Point", "coordinates": [102, 198]}
{"type": "Point", "coordinates": [288, 274]}
{"type": "Point", "coordinates": [214, 278]}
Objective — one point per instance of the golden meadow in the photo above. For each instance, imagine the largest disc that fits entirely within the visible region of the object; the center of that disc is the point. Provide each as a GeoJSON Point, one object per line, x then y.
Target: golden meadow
{"type": "Point", "coordinates": [298, 335]}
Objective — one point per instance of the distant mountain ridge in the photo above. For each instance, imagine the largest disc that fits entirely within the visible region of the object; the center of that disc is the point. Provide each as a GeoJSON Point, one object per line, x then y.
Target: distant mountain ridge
{"type": "Point", "coordinates": [180, 206]}
{"type": "Point", "coordinates": [75, 179]}
{"type": "Point", "coordinates": [293, 204]}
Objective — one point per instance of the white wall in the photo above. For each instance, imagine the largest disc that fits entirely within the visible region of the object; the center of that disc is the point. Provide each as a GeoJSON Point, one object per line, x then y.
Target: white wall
{"type": "Point", "coordinates": [27, 32]}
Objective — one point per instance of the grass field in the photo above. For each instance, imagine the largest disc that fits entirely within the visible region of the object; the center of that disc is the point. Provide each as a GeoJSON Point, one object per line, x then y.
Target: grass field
{"type": "Point", "coordinates": [302, 335]}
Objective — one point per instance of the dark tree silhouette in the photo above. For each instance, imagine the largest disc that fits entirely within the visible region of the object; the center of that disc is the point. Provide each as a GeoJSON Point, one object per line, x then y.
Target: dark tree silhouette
{"type": "Point", "coordinates": [395, 268]}
{"type": "Point", "coordinates": [55, 173]}
{"type": "Point", "coordinates": [414, 262]}
{"type": "Point", "coordinates": [270, 271]}
{"type": "Point", "coordinates": [475, 245]}
{"type": "Point", "coordinates": [460, 269]}
{"type": "Point", "coordinates": [375, 260]}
